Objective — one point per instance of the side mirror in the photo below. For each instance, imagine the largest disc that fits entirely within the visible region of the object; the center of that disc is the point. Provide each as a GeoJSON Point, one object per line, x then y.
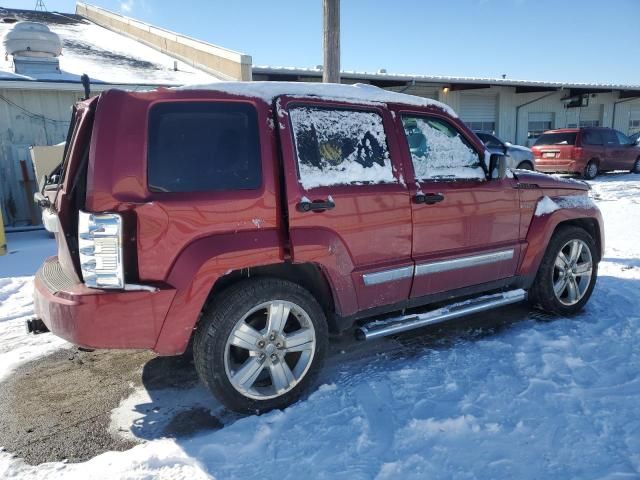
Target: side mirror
{"type": "Point", "coordinates": [497, 166]}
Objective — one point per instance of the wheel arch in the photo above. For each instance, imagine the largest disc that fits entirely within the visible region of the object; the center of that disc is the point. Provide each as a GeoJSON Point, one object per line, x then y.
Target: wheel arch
{"type": "Point", "coordinates": [308, 275]}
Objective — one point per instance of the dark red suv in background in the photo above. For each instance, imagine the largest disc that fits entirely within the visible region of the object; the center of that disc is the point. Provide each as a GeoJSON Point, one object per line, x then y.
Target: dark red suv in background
{"type": "Point", "coordinates": [585, 151]}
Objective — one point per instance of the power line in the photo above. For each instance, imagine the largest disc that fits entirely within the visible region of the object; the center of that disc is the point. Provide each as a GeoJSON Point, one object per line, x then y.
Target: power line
{"type": "Point", "coordinates": [31, 114]}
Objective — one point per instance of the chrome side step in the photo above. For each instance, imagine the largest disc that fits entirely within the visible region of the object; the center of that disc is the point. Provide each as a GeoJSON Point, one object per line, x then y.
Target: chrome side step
{"type": "Point", "coordinates": [404, 323]}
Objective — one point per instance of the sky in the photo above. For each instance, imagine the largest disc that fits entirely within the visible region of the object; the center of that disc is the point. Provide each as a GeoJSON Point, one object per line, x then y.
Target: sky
{"type": "Point", "coordinates": [548, 40]}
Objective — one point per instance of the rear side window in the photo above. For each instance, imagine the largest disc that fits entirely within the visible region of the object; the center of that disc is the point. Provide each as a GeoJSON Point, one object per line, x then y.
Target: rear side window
{"type": "Point", "coordinates": [202, 147]}
{"type": "Point", "coordinates": [339, 146]}
{"type": "Point", "coordinates": [610, 138]}
{"type": "Point", "coordinates": [439, 152]}
{"type": "Point", "coordinates": [566, 138]}
{"type": "Point", "coordinates": [591, 137]}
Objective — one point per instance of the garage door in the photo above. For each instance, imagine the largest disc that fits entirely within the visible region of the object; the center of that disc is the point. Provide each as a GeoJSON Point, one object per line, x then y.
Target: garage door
{"type": "Point", "coordinates": [479, 112]}
{"type": "Point", "coordinates": [634, 120]}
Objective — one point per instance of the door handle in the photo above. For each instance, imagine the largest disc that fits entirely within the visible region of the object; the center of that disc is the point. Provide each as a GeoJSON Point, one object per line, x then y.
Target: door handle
{"type": "Point", "coordinates": [315, 206]}
{"type": "Point", "coordinates": [428, 198]}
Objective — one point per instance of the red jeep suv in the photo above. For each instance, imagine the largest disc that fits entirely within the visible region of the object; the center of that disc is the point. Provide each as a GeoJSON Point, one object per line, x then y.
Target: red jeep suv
{"type": "Point", "coordinates": [585, 151]}
{"type": "Point", "coordinates": [255, 218]}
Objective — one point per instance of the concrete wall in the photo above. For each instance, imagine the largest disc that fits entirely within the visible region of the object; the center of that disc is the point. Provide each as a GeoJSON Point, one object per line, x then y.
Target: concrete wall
{"type": "Point", "coordinates": [218, 61]}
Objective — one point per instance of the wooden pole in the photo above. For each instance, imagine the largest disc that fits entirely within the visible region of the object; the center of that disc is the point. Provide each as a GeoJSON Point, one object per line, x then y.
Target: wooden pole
{"type": "Point", "coordinates": [331, 41]}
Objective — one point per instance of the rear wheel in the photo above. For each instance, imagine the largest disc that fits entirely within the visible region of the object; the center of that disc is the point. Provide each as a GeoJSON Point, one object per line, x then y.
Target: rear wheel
{"type": "Point", "coordinates": [261, 344]}
{"type": "Point", "coordinates": [636, 166]}
{"type": "Point", "coordinates": [567, 274]}
{"type": "Point", "coordinates": [591, 170]}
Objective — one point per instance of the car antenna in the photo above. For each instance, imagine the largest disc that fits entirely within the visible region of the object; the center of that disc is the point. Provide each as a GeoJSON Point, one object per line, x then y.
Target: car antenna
{"type": "Point", "coordinates": [85, 83]}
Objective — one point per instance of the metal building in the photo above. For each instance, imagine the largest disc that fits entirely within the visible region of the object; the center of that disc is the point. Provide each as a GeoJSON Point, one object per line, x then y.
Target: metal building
{"type": "Point", "coordinates": [516, 110]}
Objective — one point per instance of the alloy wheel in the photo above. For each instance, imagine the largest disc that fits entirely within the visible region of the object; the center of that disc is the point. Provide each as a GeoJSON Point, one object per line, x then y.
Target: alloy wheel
{"type": "Point", "coordinates": [572, 272]}
{"type": "Point", "coordinates": [270, 350]}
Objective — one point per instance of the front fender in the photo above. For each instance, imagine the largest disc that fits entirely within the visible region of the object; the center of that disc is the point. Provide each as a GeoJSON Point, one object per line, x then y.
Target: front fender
{"type": "Point", "coordinates": [542, 228]}
{"type": "Point", "coordinates": [196, 270]}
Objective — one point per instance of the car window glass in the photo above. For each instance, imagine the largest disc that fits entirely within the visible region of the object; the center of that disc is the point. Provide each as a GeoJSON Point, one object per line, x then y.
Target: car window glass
{"type": "Point", "coordinates": [561, 138]}
{"type": "Point", "coordinates": [622, 138]}
{"type": "Point", "coordinates": [592, 137]}
{"type": "Point", "coordinates": [490, 140]}
{"type": "Point", "coordinates": [339, 146]}
{"type": "Point", "coordinates": [438, 151]}
{"type": "Point", "coordinates": [203, 146]}
{"type": "Point", "coordinates": [609, 137]}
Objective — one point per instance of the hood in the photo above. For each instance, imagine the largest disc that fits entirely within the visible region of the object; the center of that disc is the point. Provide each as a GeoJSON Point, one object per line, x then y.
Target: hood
{"type": "Point", "coordinates": [543, 180]}
{"type": "Point", "coordinates": [520, 148]}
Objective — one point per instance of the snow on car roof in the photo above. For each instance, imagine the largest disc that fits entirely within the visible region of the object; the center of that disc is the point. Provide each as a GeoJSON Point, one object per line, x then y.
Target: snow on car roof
{"type": "Point", "coordinates": [106, 56]}
{"type": "Point", "coordinates": [361, 92]}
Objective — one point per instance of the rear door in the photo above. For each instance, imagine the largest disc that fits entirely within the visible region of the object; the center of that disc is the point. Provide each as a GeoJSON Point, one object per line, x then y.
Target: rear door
{"type": "Point", "coordinates": [466, 228]}
{"type": "Point", "coordinates": [348, 205]}
{"type": "Point", "coordinates": [615, 153]}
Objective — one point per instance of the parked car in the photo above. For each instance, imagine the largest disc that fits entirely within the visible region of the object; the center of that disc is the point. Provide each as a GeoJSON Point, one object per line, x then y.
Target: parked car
{"type": "Point", "coordinates": [517, 155]}
{"type": "Point", "coordinates": [252, 219]}
{"type": "Point", "coordinates": [586, 151]}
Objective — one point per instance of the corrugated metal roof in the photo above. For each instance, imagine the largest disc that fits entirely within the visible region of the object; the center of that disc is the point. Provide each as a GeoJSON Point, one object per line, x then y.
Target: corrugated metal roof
{"type": "Point", "coordinates": [507, 82]}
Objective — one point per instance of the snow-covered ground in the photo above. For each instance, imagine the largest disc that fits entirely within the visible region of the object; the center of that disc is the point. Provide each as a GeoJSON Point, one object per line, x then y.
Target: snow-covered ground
{"type": "Point", "coordinates": [557, 399]}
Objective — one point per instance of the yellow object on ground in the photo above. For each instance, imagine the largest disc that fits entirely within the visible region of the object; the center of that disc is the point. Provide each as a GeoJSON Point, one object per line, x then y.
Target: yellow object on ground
{"type": "Point", "coordinates": [3, 240]}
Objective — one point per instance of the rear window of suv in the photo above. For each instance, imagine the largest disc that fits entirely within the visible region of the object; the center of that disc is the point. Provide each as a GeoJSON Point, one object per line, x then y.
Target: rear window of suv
{"type": "Point", "coordinates": [566, 138]}
{"type": "Point", "coordinates": [203, 146]}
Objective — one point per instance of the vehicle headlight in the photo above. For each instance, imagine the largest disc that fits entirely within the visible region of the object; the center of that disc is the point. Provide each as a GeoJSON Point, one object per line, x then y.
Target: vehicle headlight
{"type": "Point", "coordinates": [100, 249]}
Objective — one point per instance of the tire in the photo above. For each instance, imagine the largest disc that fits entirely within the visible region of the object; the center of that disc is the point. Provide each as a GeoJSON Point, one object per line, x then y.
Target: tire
{"type": "Point", "coordinates": [591, 170]}
{"type": "Point", "coordinates": [542, 294]}
{"type": "Point", "coordinates": [234, 337]}
{"type": "Point", "coordinates": [525, 166]}
{"type": "Point", "coordinates": [636, 166]}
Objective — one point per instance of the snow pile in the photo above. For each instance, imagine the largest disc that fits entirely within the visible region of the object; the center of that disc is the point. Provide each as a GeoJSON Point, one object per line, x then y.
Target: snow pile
{"type": "Point", "coordinates": [338, 147]}
{"type": "Point", "coordinates": [557, 399]}
{"type": "Point", "coordinates": [361, 92]}
{"type": "Point", "coordinates": [547, 205]}
{"type": "Point", "coordinates": [437, 154]}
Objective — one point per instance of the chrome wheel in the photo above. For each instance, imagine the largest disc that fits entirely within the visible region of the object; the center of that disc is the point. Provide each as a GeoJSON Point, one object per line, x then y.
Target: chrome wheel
{"type": "Point", "coordinates": [270, 350]}
{"type": "Point", "coordinates": [572, 272]}
{"type": "Point", "coordinates": [592, 170]}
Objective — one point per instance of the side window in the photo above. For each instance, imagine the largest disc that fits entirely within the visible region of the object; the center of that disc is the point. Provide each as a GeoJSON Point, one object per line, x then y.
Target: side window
{"type": "Point", "coordinates": [622, 138]}
{"type": "Point", "coordinates": [439, 152]}
{"type": "Point", "coordinates": [203, 146]}
{"type": "Point", "coordinates": [592, 137]}
{"type": "Point", "coordinates": [609, 137]}
{"type": "Point", "coordinates": [340, 147]}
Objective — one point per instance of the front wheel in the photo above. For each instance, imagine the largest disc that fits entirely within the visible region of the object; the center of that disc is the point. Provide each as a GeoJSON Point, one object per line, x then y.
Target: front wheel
{"type": "Point", "coordinates": [636, 166]}
{"type": "Point", "coordinates": [261, 344]}
{"type": "Point", "coordinates": [567, 274]}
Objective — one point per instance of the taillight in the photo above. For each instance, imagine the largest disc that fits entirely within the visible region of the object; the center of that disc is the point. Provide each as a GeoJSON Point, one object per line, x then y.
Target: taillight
{"type": "Point", "coordinates": [100, 248]}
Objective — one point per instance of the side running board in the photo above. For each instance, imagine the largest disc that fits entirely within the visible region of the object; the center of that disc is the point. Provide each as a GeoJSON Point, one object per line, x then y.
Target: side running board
{"type": "Point", "coordinates": [382, 328]}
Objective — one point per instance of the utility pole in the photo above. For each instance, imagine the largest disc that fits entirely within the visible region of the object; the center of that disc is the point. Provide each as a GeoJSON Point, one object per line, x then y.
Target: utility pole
{"type": "Point", "coordinates": [40, 6]}
{"type": "Point", "coordinates": [331, 41]}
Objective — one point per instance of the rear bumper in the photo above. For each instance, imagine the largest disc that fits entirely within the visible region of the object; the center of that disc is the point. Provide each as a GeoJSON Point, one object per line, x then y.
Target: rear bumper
{"type": "Point", "coordinates": [96, 318]}
{"type": "Point", "coordinates": [552, 165]}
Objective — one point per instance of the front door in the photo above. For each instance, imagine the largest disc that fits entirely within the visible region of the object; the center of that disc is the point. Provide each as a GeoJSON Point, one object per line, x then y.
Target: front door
{"type": "Point", "coordinates": [349, 209]}
{"type": "Point", "coordinates": [466, 227]}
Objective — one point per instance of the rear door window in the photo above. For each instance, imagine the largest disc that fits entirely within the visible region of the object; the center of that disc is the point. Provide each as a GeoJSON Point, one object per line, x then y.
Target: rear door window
{"type": "Point", "coordinates": [438, 151]}
{"type": "Point", "coordinates": [203, 147]}
{"type": "Point", "coordinates": [592, 137]}
{"type": "Point", "coordinates": [337, 146]}
{"type": "Point", "coordinates": [565, 138]}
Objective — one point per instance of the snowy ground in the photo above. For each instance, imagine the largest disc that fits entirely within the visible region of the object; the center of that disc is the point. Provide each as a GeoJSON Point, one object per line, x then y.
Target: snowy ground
{"type": "Point", "coordinates": [556, 399]}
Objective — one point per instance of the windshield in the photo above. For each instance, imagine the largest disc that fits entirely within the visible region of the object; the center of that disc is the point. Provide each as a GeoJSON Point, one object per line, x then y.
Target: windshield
{"type": "Point", "coordinates": [566, 138]}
